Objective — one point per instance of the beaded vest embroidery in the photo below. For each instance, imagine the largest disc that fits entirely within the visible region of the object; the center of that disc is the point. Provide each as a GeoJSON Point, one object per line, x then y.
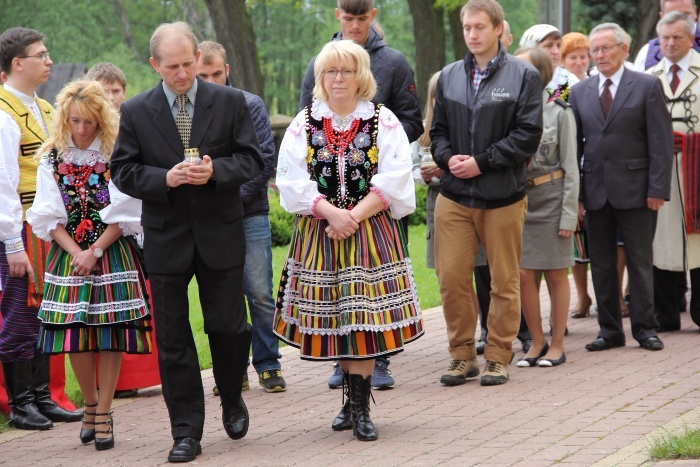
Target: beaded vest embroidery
{"type": "Point", "coordinates": [359, 159]}
{"type": "Point", "coordinates": [83, 187]}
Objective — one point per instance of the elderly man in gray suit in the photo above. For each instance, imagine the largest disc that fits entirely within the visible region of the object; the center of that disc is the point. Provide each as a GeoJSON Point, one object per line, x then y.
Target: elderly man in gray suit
{"type": "Point", "coordinates": [625, 139]}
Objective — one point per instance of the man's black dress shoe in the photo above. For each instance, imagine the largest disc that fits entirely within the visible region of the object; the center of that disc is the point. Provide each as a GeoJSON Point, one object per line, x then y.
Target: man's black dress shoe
{"type": "Point", "coordinates": [603, 344]}
{"type": "Point", "coordinates": [480, 346]}
{"type": "Point", "coordinates": [185, 450]}
{"type": "Point", "coordinates": [527, 343]}
{"type": "Point", "coordinates": [652, 343]}
{"type": "Point", "coordinates": [236, 419]}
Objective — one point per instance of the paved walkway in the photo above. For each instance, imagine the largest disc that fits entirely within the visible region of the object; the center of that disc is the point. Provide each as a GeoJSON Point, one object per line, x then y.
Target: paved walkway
{"type": "Point", "coordinates": [595, 409]}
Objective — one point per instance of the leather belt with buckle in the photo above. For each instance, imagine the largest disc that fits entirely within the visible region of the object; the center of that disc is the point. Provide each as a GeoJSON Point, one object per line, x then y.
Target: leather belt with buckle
{"type": "Point", "coordinates": [546, 178]}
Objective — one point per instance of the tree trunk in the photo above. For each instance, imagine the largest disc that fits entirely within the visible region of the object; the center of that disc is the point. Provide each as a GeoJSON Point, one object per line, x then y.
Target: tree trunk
{"type": "Point", "coordinates": [126, 29]}
{"type": "Point", "coordinates": [458, 44]}
{"type": "Point", "coordinates": [648, 17]}
{"type": "Point", "coordinates": [429, 27]}
{"type": "Point", "coordinates": [234, 30]}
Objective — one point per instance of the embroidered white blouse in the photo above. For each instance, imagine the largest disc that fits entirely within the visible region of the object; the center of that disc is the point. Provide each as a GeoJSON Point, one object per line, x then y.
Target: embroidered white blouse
{"type": "Point", "coordinates": [393, 180]}
{"type": "Point", "coordinates": [48, 209]}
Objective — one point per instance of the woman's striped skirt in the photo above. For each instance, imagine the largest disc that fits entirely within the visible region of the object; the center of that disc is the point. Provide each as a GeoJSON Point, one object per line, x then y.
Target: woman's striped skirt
{"type": "Point", "coordinates": [102, 311]}
{"type": "Point", "coordinates": [353, 298]}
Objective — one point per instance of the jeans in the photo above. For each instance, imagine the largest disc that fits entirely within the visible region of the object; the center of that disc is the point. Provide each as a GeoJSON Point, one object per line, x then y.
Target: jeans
{"type": "Point", "coordinates": [257, 287]}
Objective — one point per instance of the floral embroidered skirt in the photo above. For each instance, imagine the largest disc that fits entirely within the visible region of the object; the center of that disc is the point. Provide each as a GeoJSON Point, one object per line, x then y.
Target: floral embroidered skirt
{"type": "Point", "coordinates": [353, 298]}
{"type": "Point", "coordinates": [103, 311]}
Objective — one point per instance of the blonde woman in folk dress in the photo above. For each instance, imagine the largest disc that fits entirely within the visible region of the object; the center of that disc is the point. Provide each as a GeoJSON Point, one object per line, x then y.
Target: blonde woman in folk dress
{"type": "Point", "coordinates": [93, 297]}
{"type": "Point", "coordinates": [347, 291]}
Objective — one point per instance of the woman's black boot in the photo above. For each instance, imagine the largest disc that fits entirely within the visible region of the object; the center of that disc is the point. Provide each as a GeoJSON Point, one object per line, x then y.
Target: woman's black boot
{"type": "Point", "coordinates": [360, 391]}
{"type": "Point", "coordinates": [343, 421]}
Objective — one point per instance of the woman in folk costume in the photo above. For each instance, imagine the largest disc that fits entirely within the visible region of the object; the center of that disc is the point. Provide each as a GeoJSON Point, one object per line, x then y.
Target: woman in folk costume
{"type": "Point", "coordinates": [93, 296]}
{"type": "Point", "coordinates": [347, 291]}
{"type": "Point", "coordinates": [552, 215]}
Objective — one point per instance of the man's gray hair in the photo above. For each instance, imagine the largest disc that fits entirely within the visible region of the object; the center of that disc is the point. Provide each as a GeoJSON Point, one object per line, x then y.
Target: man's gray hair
{"type": "Point", "coordinates": [674, 17]}
{"type": "Point", "coordinates": [620, 35]}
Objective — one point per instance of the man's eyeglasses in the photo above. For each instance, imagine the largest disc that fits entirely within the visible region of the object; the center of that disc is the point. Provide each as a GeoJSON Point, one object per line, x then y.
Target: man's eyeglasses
{"type": "Point", "coordinates": [606, 49]}
{"type": "Point", "coordinates": [332, 73]}
{"type": "Point", "coordinates": [43, 56]}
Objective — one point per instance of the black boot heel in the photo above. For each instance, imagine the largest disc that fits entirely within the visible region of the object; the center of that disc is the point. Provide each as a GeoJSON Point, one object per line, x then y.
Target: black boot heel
{"type": "Point", "coordinates": [102, 444]}
{"type": "Point", "coordinates": [343, 420]}
{"type": "Point", "coordinates": [88, 434]}
{"type": "Point", "coordinates": [360, 392]}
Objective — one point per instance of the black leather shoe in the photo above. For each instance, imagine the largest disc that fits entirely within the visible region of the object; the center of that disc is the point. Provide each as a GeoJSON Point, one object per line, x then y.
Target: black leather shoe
{"type": "Point", "coordinates": [236, 419]}
{"type": "Point", "coordinates": [546, 362]}
{"type": "Point", "coordinates": [526, 362]}
{"type": "Point", "coordinates": [527, 343]}
{"type": "Point", "coordinates": [602, 343]}
{"type": "Point", "coordinates": [184, 450]}
{"type": "Point", "coordinates": [480, 346]}
{"type": "Point", "coordinates": [652, 343]}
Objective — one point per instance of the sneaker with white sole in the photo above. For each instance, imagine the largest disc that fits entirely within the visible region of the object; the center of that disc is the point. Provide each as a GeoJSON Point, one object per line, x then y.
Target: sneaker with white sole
{"type": "Point", "coordinates": [494, 374]}
{"type": "Point", "coordinates": [459, 371]}
{"type": "Point", "coordinates": [381, 377]}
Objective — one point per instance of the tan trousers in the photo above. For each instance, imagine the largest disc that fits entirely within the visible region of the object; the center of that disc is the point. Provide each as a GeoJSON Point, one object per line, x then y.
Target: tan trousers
{"type": "Point", "coordinates": [458, 232]}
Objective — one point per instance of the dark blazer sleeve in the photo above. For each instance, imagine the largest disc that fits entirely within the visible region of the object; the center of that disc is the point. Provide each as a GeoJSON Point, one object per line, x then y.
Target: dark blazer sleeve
{"type": "Point", "coordinates": [660, 141]}
{"type": "Point", "coordinates": [129, 172]}
{"type": "Point", "coordinates": [573, 101]}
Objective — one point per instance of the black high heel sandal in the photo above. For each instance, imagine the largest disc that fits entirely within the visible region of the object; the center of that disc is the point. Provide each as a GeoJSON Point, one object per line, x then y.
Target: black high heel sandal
{"type": "Point", "coordinates": [88, 434]}
{"type": "Point", "coordinates": [102, 444]}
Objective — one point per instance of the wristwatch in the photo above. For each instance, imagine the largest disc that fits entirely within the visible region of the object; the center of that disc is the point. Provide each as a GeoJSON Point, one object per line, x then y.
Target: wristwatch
{"type": "Point", "coordinates": [96, 252]}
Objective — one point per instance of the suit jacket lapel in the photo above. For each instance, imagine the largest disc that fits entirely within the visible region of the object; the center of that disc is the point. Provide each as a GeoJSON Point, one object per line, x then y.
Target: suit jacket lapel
{"type": "Point", "coordinates": [621, 95]}
{"type": "Point", "coordinates": [202, 116]}
{"type": "Point", "coordinates": [165, 123]}
{"type": "Point", "coordinates": [594, 99]}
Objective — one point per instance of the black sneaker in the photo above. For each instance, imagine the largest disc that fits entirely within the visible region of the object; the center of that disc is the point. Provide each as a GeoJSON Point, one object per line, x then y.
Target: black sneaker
{"type": "Point", "coordinates": [272, 381]}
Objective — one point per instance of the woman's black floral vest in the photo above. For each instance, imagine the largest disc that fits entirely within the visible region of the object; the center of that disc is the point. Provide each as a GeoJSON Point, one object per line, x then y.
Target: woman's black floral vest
{"type": "Point", "coordinates": [83, 201]}
{"type": "Point", "coordinates": [361, 160]}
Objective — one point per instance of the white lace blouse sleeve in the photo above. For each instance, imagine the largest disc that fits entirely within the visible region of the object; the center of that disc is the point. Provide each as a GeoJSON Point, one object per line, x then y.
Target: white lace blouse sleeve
{"type": "Point", "coordinates": [11, 212]}
{"type": "Point", "coordinates": [48, 209]}
{"type": "Point", "coordinates": [394, 176]}
{"type": "Point", "coordinates": [298, 193]}
{"type": "Point", "coordinates": [122, 210]}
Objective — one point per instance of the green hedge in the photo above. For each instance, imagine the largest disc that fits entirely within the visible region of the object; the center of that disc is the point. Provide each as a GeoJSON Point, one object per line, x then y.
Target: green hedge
{"type": "Point", "coordinates": [281, 222]}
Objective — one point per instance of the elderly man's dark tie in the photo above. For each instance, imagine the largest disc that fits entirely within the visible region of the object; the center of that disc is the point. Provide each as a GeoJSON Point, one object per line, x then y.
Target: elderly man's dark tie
{"type": "Point", "coordinates": [675, 80]}
{"type": "Point", "coordinates": [606, 97]}
{"type": "Point", "coordinates": [183, 121]}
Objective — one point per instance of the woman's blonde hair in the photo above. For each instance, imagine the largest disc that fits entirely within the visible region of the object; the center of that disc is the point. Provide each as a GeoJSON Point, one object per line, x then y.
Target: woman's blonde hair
{"type": "Point", "coordinates": [92, 103]}
{"type": "Point", "coordinates": [353, 55]}
{"type": "Point", "coordinates": [424, 139]}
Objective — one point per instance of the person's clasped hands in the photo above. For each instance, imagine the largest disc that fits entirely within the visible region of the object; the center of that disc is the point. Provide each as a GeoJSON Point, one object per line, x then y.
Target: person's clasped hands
{"type": "Point", "coordinates": [192, 174]}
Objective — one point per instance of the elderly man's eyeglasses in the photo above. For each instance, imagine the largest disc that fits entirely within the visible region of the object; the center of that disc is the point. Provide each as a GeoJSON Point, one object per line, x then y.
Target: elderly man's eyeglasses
{"type": "Point", "coordinates": [43, 56]}
{"type": "Point", "coordinates": [332, 73]}
{"type": "Point", "coordinates": [606, 49]}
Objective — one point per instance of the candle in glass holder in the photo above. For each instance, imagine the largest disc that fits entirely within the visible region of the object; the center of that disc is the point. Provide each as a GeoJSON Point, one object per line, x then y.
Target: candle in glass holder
{"type": "Point", "coordinates": [192, 156]}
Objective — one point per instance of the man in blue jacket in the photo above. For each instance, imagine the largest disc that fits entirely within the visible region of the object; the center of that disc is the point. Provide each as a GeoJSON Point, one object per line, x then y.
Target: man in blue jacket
{"type": "Point", "coordinates": [257, 272]}
{"type": "Point", "coordinates": [396, 89]}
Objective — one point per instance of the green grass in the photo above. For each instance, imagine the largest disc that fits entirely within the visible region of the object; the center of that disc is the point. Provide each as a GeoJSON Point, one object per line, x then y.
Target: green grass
{"type": "Point", "coordinates": [682, 446]}
{"type": "Point", "coordinates": [426, 281]}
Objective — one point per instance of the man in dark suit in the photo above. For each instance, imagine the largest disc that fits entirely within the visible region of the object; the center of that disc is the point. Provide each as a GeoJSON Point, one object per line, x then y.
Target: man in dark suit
{"type": "Point", "coordinates": [192, 218]}
{"type": "Point", "coordinates": [625, 142]}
